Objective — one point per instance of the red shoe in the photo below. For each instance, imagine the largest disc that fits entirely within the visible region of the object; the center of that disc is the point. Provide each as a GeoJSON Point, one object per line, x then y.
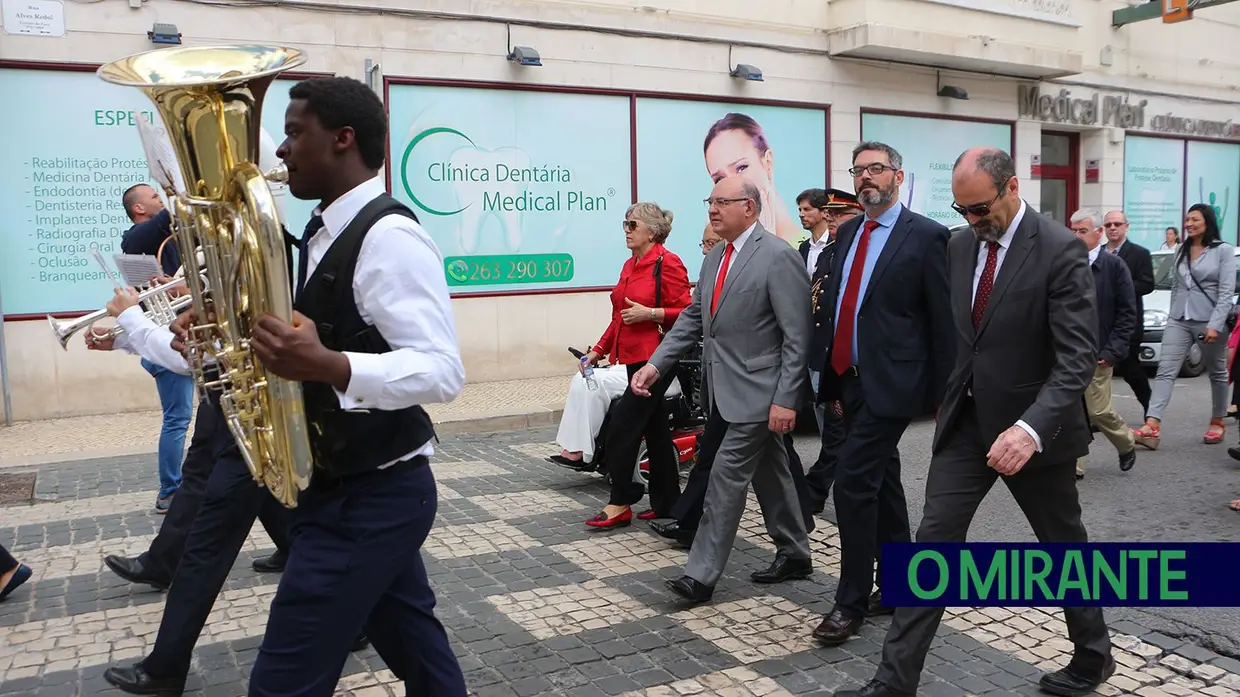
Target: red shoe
{"type": "Point", "coordinates": [602, 521]}
{"type": "Point", "coordinates": [648, 515]}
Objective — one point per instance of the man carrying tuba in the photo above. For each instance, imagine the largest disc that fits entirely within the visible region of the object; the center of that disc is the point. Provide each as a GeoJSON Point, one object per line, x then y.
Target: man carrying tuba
{"type": "Point", "coordinates": [372, 339]}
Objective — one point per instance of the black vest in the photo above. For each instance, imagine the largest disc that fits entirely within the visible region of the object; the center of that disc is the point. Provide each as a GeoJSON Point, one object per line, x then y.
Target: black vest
{"type": "Point", "coordinates": [349, 442]}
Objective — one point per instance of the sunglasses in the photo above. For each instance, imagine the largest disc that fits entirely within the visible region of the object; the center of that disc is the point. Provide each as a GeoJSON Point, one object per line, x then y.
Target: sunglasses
{"type": "Point", "coordinates": [978, 209]}
{"type": "Point", "coordinates": [629, 225]}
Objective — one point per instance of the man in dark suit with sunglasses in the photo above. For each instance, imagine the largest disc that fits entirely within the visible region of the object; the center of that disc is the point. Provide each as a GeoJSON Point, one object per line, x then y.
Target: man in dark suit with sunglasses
{"type": "Point", "coordinates": [1023, 314]}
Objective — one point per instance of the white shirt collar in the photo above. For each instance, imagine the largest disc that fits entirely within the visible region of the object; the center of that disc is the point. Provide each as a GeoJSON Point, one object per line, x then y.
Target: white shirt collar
{"type": "Point", "coordinates": [1010, 232]}
{"type": "Point", "coordinates": [1093, 253]}
{"type": "Point", "coordinates": [341, 212]}
{"type": "Point", "coordinates": [740, 241]}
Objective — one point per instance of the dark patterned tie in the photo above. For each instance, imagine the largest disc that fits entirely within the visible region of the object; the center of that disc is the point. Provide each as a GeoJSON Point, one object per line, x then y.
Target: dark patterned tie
{"type": "Point", "coordinates": [303, 250]}
{"type": "Point", "coordinates": [987, 283]}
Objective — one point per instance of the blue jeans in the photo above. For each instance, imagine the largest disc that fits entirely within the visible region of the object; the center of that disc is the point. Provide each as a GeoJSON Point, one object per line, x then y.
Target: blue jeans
{"type": "Point", "coordinates": [176, 396]}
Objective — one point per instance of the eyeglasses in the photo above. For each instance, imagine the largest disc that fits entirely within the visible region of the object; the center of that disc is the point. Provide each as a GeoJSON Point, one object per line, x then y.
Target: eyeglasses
{"type": "Point", "coordinates": [721, 202]}
{"type": "Point", "coordinates": [874, 169]}
{"type": "Point", "coordinates": [706, 245]}
{"type": "Point", "coordinates": [978, 209]}
{"type": "Point", "coordinates": [629, 225]}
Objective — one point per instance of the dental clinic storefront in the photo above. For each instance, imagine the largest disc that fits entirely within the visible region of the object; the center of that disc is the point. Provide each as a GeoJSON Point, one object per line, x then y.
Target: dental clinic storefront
{"type": "Point", "coordinates": [1151, 156]}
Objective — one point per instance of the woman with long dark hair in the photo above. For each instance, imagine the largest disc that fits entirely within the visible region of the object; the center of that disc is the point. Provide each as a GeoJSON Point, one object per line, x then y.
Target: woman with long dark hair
{"type": "Point", "coordinates": [1202, 284]}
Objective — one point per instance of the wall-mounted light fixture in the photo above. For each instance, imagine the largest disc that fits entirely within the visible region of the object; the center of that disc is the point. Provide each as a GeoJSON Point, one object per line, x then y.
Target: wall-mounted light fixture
{"type": "Point", "coordinates": [374, 76]}
{"type": "Point", "coordinates": [161, 33]}
{"type": "Point", "coordinates": [524, 55]}
{"type": "Point", "coordinates": [746, 71]}
{"type": "Point", "coordinates": [950, 91]}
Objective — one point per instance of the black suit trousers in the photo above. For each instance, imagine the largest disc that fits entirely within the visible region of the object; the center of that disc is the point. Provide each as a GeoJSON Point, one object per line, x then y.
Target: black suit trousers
{"type": "Point", "coordinates": [356, 566]}
{"type": "Point", "coordinates": [688, 509]}
{"type": "Point", "coordinates": [958, 481]}
{"type": "Point", "coordinates": [165, 551]}
{"type": "Point", "coordinates": [231, 503]}
{"type": "Point", "coordinates": [821, 475]}
{"type": "Point", "coordinates": [632, 419]}
{"type": "Point", "coordinates": [869, 498]}
{"type": "Point", "coordinates": [1131, 371]}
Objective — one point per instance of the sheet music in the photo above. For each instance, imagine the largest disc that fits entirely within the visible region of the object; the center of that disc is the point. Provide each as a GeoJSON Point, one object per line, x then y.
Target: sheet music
{"type": "Point", "coordinates": [137, 269]}
{"type": "Point", "coordinates": [160, 157]}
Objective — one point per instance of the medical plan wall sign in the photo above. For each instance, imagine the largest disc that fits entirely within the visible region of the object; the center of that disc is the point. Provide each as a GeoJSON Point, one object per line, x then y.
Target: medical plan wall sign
{"type": "Point", "coordinates": [525, 190]}
{"type": "Point", "coordinates": [520, 190]}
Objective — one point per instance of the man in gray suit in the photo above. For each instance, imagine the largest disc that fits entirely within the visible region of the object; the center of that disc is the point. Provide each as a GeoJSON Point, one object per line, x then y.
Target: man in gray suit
{"type": "Point", "coordinates": [751, 309]}
{"type": "Point", "coordinates": [1024, 312]}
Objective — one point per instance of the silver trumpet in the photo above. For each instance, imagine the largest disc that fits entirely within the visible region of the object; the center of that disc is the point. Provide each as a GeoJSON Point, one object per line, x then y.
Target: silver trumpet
{"type": "Point", "coordinates": [161, 308]}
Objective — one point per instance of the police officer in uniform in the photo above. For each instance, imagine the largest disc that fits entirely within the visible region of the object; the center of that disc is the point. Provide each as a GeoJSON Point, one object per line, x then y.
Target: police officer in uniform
{"type": "Point", "coordinates": [840, 207]}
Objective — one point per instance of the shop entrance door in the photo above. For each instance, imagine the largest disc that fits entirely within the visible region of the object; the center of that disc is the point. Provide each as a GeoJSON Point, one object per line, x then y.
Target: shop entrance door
{"type": "Point", "coordinates": [1060, 182]}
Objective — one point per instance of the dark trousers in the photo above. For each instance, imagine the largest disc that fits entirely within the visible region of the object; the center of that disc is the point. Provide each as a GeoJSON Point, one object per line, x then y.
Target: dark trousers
{"type": "Point", "coordinates": [632, 417]}
{"type": "Point", "coordinates": [165, 551]}
{"type": "Point", "coordinates": [230, 504]}
{"type": "Point", "coordinates": [356, 565]}
{"type": "Point", "coordinates": [958, 481]}
{"type": "Point", "coordinates": [822, 474]}
{"type": "Point", "coordinates": [1131, 371]}
{"type": "Point", "coordinates": [7, 562]}
{"type": "Point", "coordinates": [870, 507]}
{"type": "Point", "coordinates": [688, 510]}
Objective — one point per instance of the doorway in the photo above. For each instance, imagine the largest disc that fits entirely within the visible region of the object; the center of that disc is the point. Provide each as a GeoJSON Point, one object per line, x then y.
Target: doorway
{"type": "Point", "coordinates": [1060, 178]}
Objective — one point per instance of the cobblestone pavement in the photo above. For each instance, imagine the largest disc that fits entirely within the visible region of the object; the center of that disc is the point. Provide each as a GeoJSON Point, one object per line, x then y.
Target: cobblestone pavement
{"type": "Point", "coordinates": [536, 605]}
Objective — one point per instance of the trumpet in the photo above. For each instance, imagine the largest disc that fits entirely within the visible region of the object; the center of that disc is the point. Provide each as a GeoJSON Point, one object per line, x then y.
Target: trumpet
{"type": "Point", "coordinates": [162, 308]}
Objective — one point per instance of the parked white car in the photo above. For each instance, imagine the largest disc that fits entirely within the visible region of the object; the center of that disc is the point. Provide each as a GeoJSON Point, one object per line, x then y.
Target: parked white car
{"type": "Point", "coordinates": [1157, 304]}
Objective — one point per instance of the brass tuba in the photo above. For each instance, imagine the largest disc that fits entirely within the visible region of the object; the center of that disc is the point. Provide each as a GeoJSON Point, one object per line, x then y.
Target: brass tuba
{"type": "Point", "coordinates": [210, 99]}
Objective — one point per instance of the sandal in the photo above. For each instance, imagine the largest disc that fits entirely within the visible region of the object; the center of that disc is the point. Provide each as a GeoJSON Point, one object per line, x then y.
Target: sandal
{"type": "Point", "coordinates": [1148, 436]}
{"type": "Point", "coordinates": [1234, 505]}
{"type": "Point", "coordinates": [1213, 437]}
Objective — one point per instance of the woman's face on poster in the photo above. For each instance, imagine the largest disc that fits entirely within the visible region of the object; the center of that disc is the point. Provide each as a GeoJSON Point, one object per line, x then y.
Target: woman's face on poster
{"type": "Point", "coordinates": [733, 152]}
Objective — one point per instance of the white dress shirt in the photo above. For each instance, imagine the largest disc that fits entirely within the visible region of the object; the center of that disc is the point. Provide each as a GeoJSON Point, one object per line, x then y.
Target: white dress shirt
{"type": "Point", "coordinates": [736, 251]}
{"type": "Point", "coordinates": [815, 250]}
{"type": "Point", "coordinates": [149, 340]}
{"type": "Point", "coordinates": [1005, 243]}
{"type": "Point", "coordinates": [400, 288]}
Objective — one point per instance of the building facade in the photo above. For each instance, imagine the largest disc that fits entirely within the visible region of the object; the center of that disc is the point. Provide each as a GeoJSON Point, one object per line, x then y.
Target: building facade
{"type": "Point", "coordinates": [520, 132]}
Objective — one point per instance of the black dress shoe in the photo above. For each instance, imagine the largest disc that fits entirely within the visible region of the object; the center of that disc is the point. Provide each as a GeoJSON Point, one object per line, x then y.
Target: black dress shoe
{"type": "Point", "coordinates": [136, 681]}
{"type": "Point", "coordinates": [1073, 682]}
{"type": "Point", "coordinates": [836, 628]}
{"type": "Point", "coordinates": [1127, 460]}
{"type": "Point", "coordinates": [876, 607]}
{"type": "Point", "coordinates": [362, 642]}
{"type": "Point", "coordinates": [873, 688]}
{"type": "Point", "coordinates": [672, 531]}
{"type": "Point", "coordinates": [784, 569]}
{"type": "Point", "coordinates": [134, 570]}
{"type": "Point", "coordinates": [272, 563]}
{"type": "Point", "coordinates": [691, 589]}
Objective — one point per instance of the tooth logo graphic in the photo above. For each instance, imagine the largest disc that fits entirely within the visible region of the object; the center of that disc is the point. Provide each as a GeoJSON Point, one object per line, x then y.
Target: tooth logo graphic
{"type": "Point", "coordinates": [473, 174]}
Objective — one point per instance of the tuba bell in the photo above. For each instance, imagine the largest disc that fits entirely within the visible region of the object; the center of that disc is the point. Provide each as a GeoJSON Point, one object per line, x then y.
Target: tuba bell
{"type": "Point", "coordinates": [210, 99]}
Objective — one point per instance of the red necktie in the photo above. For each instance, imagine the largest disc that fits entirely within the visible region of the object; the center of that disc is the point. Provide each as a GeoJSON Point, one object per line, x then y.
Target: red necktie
{"type": "Point", "coordinates": [723, 273]}
{"type": "Point", "coordinates": [987, 283]}
{"type": "Point", "coordinates": [841, 351]}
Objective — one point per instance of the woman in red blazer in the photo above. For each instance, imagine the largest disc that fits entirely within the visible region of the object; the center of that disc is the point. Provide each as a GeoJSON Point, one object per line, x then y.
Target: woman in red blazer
{"type": "Point", "coordinates": [638, 320]}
